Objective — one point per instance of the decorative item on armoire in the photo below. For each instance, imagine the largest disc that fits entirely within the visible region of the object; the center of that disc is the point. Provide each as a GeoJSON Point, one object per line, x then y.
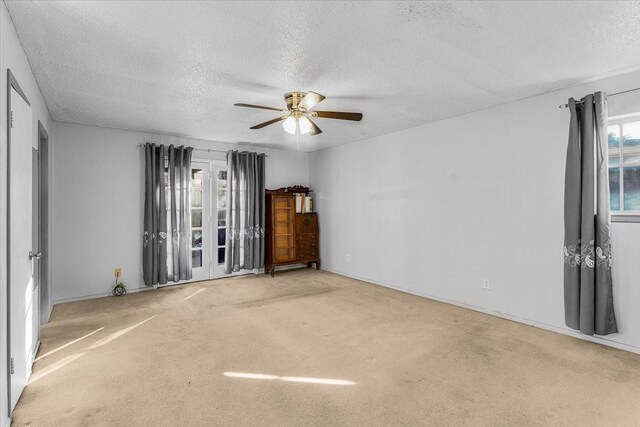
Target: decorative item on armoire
{"type": "Point", "coordinates": [292, 234]}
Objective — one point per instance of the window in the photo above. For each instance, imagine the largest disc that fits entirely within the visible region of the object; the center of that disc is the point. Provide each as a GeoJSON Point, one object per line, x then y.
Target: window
{"type": "Point", "coordinates": [624, 166]}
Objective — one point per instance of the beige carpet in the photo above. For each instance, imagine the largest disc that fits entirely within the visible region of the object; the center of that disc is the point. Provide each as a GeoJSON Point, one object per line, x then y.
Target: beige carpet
{"type": "Point", "coordinates": [411, 361]}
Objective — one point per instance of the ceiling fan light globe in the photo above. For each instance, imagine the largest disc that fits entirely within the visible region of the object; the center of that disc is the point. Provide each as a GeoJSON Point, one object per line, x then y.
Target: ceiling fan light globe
{"type": "Point", "coordinates": [304, 125]}
{"type": "Point", "coordinates": [290, 125]}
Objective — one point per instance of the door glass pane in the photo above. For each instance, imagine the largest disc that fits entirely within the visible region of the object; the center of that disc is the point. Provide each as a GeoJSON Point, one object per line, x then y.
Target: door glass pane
{"type": "Point", "coordinates": [631, 141]}
{"type": "Point", "coordinates": [196, 198]}
{"type": "Point", "coordinates": [631, 188]}
{"type": "Point", "coordinates": [196, 178]}
{"type": "Point", "coordinates": [196, 218]}
{"type": "Point", "coordinates": [220, 255]}
{"type": "Point", "coordinates": [222, 236]}
{"type": "Point", "coordinates": [222, 217]}
{"type": "Point", "coordinates": [196, 238]}
{"type": "Point", "coordinates": [614, 145]}
{"type": "Point", "coordinates": [222, 199]}
{"type": "Point", "coordinates": [196, 259]}
{"type": "Point", "coordinates": [614, 188]}
{"type": "Point", "coordinates": [222, 179]}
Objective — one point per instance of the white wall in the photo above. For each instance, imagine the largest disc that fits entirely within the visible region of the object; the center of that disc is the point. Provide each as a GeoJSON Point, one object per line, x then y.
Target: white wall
{"type": "Point", "coordinates": [12, 57]}
{"type": "Point", "coordinates": [98, 181]}
{"type": "Point", "coordinates": [436, 209]}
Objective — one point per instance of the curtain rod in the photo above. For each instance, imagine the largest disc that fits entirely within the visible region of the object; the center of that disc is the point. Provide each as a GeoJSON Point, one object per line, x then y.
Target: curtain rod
{"type": "Point", "coordinates": [613, 94]}
{"type": "Point", "coordinates": [208, 150]}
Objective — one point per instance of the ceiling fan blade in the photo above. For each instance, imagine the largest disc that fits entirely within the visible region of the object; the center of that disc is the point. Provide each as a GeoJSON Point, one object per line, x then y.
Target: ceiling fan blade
{"type": "Point", "coordinates": [258, 106]}
{"type": "Point", "coordinates": [270, 122]}
{"type": "Point", "coordinates": [310, 100]}
{"type": "Point", "coordinates": [314, 129]}
{"type": "Point", "coordinates": [341, 115]}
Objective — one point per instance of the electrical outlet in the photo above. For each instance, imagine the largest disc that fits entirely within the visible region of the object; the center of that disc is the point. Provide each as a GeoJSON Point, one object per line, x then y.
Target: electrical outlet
{"type": "Point", "coordinates": [348, 257]}
{"type": "Point", "coordinates": [118, 272]}
{"type": "Point", "coordinates": [486, 284]}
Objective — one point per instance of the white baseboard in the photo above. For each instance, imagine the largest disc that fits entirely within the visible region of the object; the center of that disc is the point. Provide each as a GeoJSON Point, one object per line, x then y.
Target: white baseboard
{"type": "Point", "coordinates": [287, 267]}
{"type": "Point", "coordinates": [94, 296]}
{"type": "Point", "coordinates": [47, 315]}
{"type": "Point", "coordinates": [35, 352]}
{"type": "Point", "coordinates": [290, 267]}
{"type": "Point", "coordinates": [529, 322]}
{"type": "Point", "coordinates": [6, 422]}
{"type": "Point", "coordinates": [146, 288]}
{"type": "Point", "coordinates": [32, 360]}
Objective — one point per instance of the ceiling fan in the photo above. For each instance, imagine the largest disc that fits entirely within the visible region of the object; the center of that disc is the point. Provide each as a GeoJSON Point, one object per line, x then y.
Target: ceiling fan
{"type": "Point", "coordinates": [298, 117]}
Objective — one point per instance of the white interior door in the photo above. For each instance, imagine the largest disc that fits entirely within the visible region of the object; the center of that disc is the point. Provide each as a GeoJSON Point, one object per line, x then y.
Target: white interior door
{"type": "Point", "coordinates": [21, 286]}
{"type": "Point", "coordinates": [200, 220]}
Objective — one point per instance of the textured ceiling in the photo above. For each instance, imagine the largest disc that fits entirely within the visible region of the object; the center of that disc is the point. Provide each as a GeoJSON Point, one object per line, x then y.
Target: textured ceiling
{"type": "Point", "coordinates": [178, 67]}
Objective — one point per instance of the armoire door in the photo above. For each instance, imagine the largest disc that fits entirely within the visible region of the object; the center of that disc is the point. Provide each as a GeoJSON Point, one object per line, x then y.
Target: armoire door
{"type": "Point", "coordinates": [283, 228]}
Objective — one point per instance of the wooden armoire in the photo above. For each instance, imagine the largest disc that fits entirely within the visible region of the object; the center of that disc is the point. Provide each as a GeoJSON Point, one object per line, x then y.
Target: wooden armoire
{"type": "Point", "coordinates": [290, 237]}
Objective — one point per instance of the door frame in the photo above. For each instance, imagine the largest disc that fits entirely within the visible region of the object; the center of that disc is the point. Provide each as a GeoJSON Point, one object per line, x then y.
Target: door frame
{"type": "Point", "coordinates": [12, 83]}
{"type": "Point", "coordinates": [43, 205]}
{"type": "Point", "coordinates": [35, 237]}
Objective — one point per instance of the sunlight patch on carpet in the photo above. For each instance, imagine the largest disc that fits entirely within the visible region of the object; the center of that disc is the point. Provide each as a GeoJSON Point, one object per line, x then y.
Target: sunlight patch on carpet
{"type": "Point", "coordinates": [67, 344]}
{"type": "Point", "coordinates": [118, 334]}
{"type": "Point", "coordinates": [308, 380]}
{"type": "Point", "coordinates": [193, 295]}
{"type": "Point", "coordinates": [40, 374]}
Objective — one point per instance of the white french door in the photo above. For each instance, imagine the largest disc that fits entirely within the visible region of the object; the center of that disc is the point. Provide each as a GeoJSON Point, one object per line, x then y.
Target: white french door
{"type": "Point", "coordinates": [200, 221]}
{"type": "Point", "coordinates": [219, 209]}
{"type": "Point", "coordinates": [208, 219]}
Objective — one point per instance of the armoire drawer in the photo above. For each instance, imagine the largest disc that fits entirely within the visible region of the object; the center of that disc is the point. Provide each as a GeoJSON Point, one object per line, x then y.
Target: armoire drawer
{"type": "Point", "coordinates": [307, 255]}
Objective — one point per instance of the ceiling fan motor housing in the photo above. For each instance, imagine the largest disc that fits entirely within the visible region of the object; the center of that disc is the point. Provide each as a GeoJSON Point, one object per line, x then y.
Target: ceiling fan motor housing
{"type": "Point", "coordinates": [293, 99]}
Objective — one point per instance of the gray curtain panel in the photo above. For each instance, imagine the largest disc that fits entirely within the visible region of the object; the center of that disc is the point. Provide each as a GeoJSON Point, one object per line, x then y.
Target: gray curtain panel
{"type": "Point", "coordinates": [588, 295]}
{"type": "Point", "coordinates": [166, 207]}
{"type": "Point", "coordinates": [245, 211]}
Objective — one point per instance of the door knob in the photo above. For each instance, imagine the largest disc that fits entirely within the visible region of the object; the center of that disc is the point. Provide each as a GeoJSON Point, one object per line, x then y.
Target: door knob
{"type": "Point", "coordinates": [37, 255]}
